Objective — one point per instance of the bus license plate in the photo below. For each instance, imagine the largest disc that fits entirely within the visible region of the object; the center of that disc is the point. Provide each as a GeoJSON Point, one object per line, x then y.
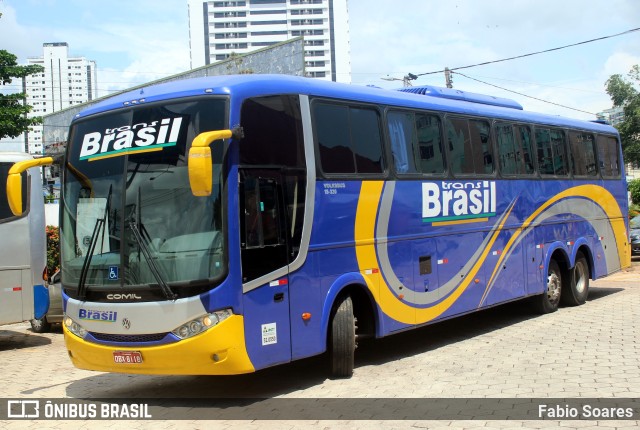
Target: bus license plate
{"type": "Point", "coordinates": [127, 357]}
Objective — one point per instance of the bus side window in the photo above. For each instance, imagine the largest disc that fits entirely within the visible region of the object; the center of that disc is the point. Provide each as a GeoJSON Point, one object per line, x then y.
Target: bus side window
{"type": "Point", "coordinates": [348, 138]}
{"type": "Point", "coordinates": [608, 157]}
{"type": "Point", "coordinates": [416, 142]}
{"type": "Point", "coordinates": [510, 161]}
{"type": "Point", "coordinates": [559, 145]}
{"type": "Point", "coordinates": [582, 154]}
{"type": "Point", "coordinates": [525, 142]}
{"type": "Point", "coordinates": [470, 146]}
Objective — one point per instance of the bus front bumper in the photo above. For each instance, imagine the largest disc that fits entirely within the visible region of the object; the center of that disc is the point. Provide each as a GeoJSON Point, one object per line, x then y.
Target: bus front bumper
{"type": "Point", "coordinates": [218, 351]}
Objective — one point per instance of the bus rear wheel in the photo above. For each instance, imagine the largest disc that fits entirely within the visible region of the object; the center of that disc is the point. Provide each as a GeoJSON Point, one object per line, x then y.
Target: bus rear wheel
{"type": "Point", "coordinates": [549, 300]}
{"type": "Point", "coordinates": [578, 289]}
{"type": "Point", "coordinates": [342, 342]}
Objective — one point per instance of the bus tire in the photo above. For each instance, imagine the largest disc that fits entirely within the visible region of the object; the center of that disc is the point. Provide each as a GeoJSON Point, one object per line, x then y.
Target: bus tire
{"type": "Point", "coordinates": [342, 342]}
{"type": "Point", "coordinates": [40, 325]}
{"type": "Point", "coordinates": [549, 300]}
{"type": "Point", "coordinates": [578, 289]}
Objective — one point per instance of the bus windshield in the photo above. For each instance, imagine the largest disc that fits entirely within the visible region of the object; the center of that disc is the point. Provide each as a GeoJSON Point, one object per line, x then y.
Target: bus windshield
{"type": "Point", "coordinates": [129, 218]}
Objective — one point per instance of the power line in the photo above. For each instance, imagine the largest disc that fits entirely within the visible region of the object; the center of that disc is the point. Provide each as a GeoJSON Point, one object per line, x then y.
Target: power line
{"type": "Point", "coordinates": [524, 95]}
{"type": "Point", "coordinates": [542, 85]}
{"type": "Point", "coordinates": [533, 53]}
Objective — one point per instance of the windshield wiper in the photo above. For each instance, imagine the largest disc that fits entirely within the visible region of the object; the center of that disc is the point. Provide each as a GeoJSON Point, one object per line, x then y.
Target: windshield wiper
{"type": "Point", "coordinates": [155, 270]}
{"type": "Point", "coordinates": [98, 228]}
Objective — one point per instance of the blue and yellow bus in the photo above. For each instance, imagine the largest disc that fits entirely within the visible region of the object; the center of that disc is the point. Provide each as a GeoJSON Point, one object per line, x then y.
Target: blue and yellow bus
{"type": "Point", "coordinates": [227, 224]}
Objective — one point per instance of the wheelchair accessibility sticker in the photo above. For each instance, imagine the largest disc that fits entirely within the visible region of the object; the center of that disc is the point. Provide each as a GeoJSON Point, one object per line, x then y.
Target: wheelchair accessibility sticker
{"type": "Point", "coordinates": [113, 273]}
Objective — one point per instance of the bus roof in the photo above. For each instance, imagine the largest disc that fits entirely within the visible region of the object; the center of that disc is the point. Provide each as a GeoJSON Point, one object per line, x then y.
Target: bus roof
{"type": "Point", "coordinates": [429, 98]}
{"type": "Point", "coordinates": [14, 156]}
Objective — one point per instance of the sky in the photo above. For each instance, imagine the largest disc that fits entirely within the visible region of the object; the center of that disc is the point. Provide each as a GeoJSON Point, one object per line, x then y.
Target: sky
{"type": "Point", "coordinates": [136, 41]}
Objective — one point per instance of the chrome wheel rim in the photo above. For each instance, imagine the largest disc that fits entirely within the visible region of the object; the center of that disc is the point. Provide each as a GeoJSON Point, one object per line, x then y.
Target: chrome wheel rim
{"type": "Point", "coordinates": [580, 277]}
{"type": "Point", "coordinates": [553, 287]}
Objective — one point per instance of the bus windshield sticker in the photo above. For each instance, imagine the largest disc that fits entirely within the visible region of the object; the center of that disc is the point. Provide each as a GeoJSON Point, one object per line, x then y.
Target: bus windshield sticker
{"type": "Point", "coordinates": [142, 137]}
{"type": "Point", "coordinates": [448, 202]}
{"type": "Point", "coordinates": [89, 211]}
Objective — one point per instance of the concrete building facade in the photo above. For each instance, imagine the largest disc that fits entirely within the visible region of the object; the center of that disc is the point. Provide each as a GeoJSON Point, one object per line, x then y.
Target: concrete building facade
{"type": "Point", "coordinates": [613, 116]}
{"type": "Point", "coordinates": [220, 29]}
{"type": "Point", "coordinates": [65, 82]}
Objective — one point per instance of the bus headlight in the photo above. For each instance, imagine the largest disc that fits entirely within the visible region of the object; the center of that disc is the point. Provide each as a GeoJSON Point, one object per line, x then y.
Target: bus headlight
{"type": "Point", "coordinates": [74, 327]}
{"type": "Point", "coordinates": [202, 323]}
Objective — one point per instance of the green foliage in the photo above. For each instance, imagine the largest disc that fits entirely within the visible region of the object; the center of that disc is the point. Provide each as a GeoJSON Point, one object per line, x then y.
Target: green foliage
{"type": "Point", "coordinates": [634, 210]}
{"type": "Point", "coordinates": [13, 111]}
{"type": "Point", "coordinates": [634, 189]}
{"type": "Point", "coordinates": [623, 92]}
{"type": "Point", "coordinates": [53, 249]}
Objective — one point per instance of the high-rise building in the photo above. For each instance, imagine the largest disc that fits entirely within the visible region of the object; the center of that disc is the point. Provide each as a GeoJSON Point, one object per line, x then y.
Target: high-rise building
{"type": "Point", "coordinates": [219, 29]}
{"type": "Point", "coordinates": [66, 81]}
{"type": "Point", "coordinates": [613, 116]}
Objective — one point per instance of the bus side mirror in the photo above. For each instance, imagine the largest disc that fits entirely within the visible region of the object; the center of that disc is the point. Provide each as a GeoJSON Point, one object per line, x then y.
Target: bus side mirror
{"type": "Point", "coordinates": [14, 181]}
{"type": "Point", "coordinates": [199, 163]}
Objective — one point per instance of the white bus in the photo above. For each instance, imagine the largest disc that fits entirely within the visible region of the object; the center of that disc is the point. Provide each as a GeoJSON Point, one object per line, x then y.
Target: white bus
{"type": "Point", "coordinates": [23, 292]}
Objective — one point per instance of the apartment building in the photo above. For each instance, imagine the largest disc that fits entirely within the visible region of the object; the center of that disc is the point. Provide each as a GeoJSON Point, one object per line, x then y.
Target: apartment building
{"type": "Point", "coordinates": [66, 81]}
{"type": "Point", "coordinates": [219, 29]}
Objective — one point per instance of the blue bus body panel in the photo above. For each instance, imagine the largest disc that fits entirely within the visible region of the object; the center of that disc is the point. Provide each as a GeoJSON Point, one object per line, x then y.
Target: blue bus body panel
{"type": "Point", "coordinates": [40, 301]}
{"type": "Point", "coordinates": [471, 265]}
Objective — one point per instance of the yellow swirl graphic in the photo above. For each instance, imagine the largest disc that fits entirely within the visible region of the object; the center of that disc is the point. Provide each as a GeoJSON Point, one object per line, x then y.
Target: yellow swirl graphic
{"type": "Point", "coordinates": [393, 307]}
{"type": "Point", "coordinates": [366, 254]}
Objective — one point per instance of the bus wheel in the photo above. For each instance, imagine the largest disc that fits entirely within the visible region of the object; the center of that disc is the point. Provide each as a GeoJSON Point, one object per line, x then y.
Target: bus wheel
{"type": "Point", "coordinates": [578, 289]}
{"type": "Point", "coordinates": [342, 343]}
{"type": "Point", "coordinates": [40, 325]}
{"type": "Point", "coordinates": [549, 300]}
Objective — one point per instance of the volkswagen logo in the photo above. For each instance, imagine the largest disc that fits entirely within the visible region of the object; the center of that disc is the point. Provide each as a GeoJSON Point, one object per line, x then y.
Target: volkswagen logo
{"type": "Point", "coordinates": [126, 323]}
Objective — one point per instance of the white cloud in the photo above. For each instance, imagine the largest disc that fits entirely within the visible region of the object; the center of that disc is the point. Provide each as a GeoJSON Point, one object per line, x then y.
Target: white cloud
{"type": "Point", "coordinates": [22, 41]}
{"type": "Point", "coordinates": [620, 63]}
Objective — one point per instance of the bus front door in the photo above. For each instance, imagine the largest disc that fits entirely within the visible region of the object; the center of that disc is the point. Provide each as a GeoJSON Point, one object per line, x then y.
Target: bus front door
{"type": "Point", "coordinates": [264, 253]}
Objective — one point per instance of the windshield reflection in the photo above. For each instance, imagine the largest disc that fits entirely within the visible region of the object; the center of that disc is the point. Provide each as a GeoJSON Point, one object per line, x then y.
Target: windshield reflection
{"type": "Point", "coordinates": [156, 234]}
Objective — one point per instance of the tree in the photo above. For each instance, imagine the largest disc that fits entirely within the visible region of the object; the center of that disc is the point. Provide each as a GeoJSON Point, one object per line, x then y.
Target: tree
{"type": "Point", "coordinates": [624, 93]}
{"type": "Point", "coordinates": [53, 249]}
{"type": "Point", "coordinates": [634, 189]}
{"type": "Point", "coordinates": [13, 109]}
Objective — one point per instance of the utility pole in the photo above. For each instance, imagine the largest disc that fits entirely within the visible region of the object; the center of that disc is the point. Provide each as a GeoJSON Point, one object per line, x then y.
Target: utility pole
{"type": "Point", "coordinates": [406, 80]}
{"type": "Point", "coordinates": [447, 77]}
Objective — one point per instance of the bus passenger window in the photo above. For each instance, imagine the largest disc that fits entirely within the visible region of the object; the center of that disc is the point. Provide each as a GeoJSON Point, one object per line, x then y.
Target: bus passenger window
{"type": "Point", "coordinates": [366, 140]}
{"type": "Point", "coordinates": [582, 154]}
{"type": "Point", "coordinates": [608, 156]}
{"type": "Point", "coordinates": [514, 149]}
{"type": "Point", "coordinates": [552, 155]}
{"type": "Point", "coordinates": [348, 139]}
{"type": "Point", "coordinates": [545, 157]}
{"type": "Point", "coordinates": [525, 144]}
{"type": "Point", "coordinates": [332, 134]}
{"type": "Point", "coordinates": [560, 161]}
{"type": "Point", "coordinates": [481, 145]}
{"type": "Point", "coordinates": [470, 146]}
{"type": "Point", "coordinates": [403, 140]}
{"type": "Point", "coordinates": [416, 142]}
{"type": "Point", "coordinates": [460, 152]}
{"type": "Point", "coordinates": [429, 144]}
{"type": "Point", "coordinates": [509, 158]}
